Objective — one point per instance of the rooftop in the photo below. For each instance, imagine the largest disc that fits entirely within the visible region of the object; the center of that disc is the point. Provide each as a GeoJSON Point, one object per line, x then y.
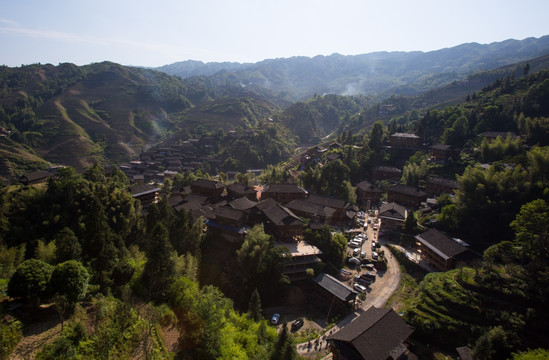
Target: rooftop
{"type": "Point", "coordinates": [407, 190]}
{"type": "Point", "coordinates": [142, 189]}
{"type": "Point", "coordinates": [208, 184]}
{"type": "Point", "coordinates": [377, 334]}
{"type": "Point", "coordinates": [301, 248]}
{"type": "Point", "coordinates": [336, 287]}
{"type": "Point", "coordinates": [393, 210]}
{"type": "Point", "coordinates": [405, 135]}
{"type": "Point", "coordinates": [441, 244]}
{"type": "Point", "coordinates": [283, 188]}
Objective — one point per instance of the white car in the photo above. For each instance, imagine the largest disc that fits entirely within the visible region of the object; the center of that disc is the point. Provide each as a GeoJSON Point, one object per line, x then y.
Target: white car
{"type": "Point", "coordinates": [375, 256]}
{"type": "Point", "coordinates": [275, 318]}
{"type": "Point", "coordinates": [360, 288]}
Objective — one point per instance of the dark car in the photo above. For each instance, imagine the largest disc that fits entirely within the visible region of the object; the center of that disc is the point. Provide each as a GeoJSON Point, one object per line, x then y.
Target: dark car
{"type": "Point", "coordinates": [296, 325]}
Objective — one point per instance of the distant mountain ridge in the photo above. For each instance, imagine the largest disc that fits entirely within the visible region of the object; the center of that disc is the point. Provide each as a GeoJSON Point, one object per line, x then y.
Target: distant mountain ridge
{"type": "Point", "coordinates": [299, 78]}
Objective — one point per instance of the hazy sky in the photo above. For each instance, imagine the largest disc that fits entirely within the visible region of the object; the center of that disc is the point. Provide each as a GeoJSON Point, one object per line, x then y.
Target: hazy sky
{"type": "Point", "coordinates": [159, 32]}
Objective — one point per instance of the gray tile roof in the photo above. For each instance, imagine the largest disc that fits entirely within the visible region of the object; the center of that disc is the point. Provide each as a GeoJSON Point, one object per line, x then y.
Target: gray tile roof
{"type": "Point", "coordinates": [377, 334]}
{"type": "Point", "coordinates": [336, 287]}
{"type": "Point", "coordinates": [441, 244]}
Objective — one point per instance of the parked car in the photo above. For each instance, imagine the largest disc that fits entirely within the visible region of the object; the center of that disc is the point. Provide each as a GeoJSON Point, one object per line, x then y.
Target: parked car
{"type": "Point", "coordinates": [354, 244]}
{"type": "Point", "coordinates": [362, 254]}
{"type": "Point", "coordinates": [369, 276]}
{"type": "Point", "coordinates": [375, 256]}
{"type": "Point", "coordinates": [356, 252]}
{"type": "Point", "coordinates": [375, 227]}
{"type": "Point", "coordinates": [368, 267]}
{"type": "Point", "coordinates": [360, 288]}
{"type": "Point", "coordinates": [275, 318]}
{"type": "Point", "coordinates": [296, 325]}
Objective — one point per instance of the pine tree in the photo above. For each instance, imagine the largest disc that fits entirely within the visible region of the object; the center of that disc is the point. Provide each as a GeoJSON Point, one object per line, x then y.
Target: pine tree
{"type": "Point", "coordinates": [254, 308]}
{"type": "Point", "coordinates": [160, 265]}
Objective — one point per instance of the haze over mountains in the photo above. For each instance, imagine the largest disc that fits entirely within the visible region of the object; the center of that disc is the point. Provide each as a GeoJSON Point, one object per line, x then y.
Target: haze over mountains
{"type": "Point", "coordinates": [73, 115]}
{"type": "Point", "coordinates": [299, 78]}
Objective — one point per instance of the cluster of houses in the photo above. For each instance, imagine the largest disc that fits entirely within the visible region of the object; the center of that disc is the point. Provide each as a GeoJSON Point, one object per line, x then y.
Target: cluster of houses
{"type": "Point", "coordinates": [232, 210]}
{"type": "Point", "coordinates": [164, 161]}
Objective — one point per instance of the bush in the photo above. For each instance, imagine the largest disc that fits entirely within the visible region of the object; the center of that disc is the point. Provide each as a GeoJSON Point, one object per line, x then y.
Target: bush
{"type": "Point", "coordinates": [10, 334]}
{"type": "Point", "coordinates": [31, 281]}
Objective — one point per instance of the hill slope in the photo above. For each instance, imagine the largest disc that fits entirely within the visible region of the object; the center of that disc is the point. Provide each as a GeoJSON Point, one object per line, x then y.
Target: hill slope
{"type": "Point", "coordinates": [299, 78]}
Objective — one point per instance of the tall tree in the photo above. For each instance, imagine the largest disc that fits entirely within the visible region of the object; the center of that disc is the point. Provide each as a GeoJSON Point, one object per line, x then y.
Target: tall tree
{"type": "Point", "coordinates": [160, 266]}
{"type": "Point", "coordinates": [254, 308]}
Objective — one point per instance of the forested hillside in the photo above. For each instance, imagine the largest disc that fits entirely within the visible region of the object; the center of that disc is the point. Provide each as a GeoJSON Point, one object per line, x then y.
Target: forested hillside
{"type": "Point", "coordinates": [298, 78]}
{"type": "Point", "coordinates": [83, 237]}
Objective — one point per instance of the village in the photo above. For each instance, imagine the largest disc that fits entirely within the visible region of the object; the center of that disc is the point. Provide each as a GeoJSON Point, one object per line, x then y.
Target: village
{"type": "Point", "coordinates": [355, 294]}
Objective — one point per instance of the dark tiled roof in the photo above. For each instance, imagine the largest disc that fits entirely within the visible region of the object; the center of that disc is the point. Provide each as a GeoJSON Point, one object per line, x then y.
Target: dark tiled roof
{"type": "Point", "coordinates": [326, 201]}
{"type": "Point", "coordinates": [201, 199]}
{"type": "Point", "coordinates": [441, 244]}
{"type": "Point", "coordinates": [242, 203]}
{"type": "Point", "coordinates": [377, 334]}
{"type": "Point", "coordinates": [207, 184]}
{"type": "Point", "coordinates": [175, 200]}
{"type": "Point", "coordinates": [407, 190]}
{"type": "Point", "coordinates": [283, 188]}
{"type": "Point", "coordinates": [240, 189]}
{"type": "Point", "coordinates": [36, 175]}
{"type": "Point", "coordinates": [302, 205]}
{"type": "Point", "coordinates": [393, 210]}
{"type": "Point", "coordinates": [278, 214]}
{"type": "Point", "coordinates": [366, 186]}
{"type": "Point", "coordinates": [142, 189]}
{"type": "Point", "coordinates": [444, 182]}
{"type": "Point", "coordinates": [335, 287]}
{"type": "Point", "coordinates": [228, 213]}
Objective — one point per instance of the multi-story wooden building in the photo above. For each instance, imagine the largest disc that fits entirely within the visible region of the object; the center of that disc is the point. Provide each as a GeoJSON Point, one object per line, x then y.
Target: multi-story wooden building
{"type": "Point", "coordinates": [304, 256]}
{"type": "Point", "coordinates": [280, 221]}
{"type": "Point", "coordinates": [438, 186]}
{"type": "Point", "coordinates": [441, 251]}
{"type": "Point", "coordinates": [283, 193]}
{"type": "Point", "coordinates": [405, 141]}
{"type": "Point", "coordinates": [406, 195]}
{"type": "Point", "coordinates": [392, 216]}
{"type": "Point", "coordinates": [442, 152]}
{"type": "Point", "coordinates": [367, 192]}
{"type": "Point", "coordinates": [212, 189]}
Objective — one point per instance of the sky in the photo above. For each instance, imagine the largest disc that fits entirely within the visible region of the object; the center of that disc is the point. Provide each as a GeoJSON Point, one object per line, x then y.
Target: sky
{"type": "Point", "coordinates": [160, 32]}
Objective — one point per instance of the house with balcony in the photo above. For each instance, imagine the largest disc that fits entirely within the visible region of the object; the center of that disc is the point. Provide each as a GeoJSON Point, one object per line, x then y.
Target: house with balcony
{"type": "Point", "coordinates": [441, 251]}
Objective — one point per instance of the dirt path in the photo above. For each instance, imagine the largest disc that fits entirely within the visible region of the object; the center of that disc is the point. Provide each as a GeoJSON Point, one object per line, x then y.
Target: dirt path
{"type": "Point", "coordinates": [35, 336]}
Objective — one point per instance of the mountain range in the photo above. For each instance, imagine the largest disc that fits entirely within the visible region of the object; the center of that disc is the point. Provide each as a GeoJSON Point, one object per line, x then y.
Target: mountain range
{"type": "Point", "coordinates": [298, 78]}
{"type": "Point", "coordinates": [75, 115]}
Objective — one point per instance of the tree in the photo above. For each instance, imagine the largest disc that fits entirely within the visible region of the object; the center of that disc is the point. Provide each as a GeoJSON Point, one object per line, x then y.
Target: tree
{"type": "Point", "coordinates": [410, 224]}
{"type": "Point", "coordinates": [31, 281]}
{"type": "Point", "coordinates": [531, 228]}
{"type": "Point", "coordinates": [160, 266]}
{"type": "Point", "coordinates": [537, 354]}
{"type": "Point", "coordinates": [261, 262]}
{"type": "Point", "coordinates": [284, 348]}
{"type": "Point", "coordinates": [70, 279]}
{"type": "Point", "coordinates": [67, 246]}
{"type": "Point", "coordinates": [254, 308]}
